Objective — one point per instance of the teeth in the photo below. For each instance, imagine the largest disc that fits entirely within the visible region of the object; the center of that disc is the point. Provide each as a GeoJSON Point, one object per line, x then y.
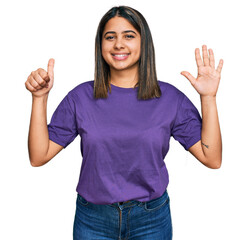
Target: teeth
{"type": "Point", "coordinates": [120, 55]}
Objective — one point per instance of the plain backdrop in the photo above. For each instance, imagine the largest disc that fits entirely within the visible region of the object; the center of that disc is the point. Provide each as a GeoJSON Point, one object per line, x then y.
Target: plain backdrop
{"type": "Point", "coordinates": [39, 203]}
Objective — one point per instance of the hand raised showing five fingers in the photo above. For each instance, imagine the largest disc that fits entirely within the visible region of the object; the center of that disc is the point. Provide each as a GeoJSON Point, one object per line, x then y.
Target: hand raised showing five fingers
{"type": "Point", "coordinates": [208, 78]}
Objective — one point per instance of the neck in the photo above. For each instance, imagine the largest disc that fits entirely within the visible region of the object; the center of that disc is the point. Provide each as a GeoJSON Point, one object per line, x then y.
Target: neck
{"type": "Point", "coordinates": [125, 78]}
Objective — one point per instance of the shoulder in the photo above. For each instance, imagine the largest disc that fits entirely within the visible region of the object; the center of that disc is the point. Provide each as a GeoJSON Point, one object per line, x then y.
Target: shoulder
{"type": "Point", "coordinates": [169, 90]}
{"type": "Point", "coordinates": [81, 89]}
{"type": "Point", "coordinates": [85, 86]}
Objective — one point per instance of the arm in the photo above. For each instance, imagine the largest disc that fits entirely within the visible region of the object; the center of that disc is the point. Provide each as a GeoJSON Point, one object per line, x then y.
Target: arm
{"type": "Point", "coordinates": [209, 150]}
{"type": "Point", "coordinates": [41, 149]}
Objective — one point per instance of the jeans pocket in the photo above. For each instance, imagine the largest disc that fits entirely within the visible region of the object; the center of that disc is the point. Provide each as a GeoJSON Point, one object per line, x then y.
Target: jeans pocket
{"type": "Point", "coordinates": [157, 203]}
{"type": "Point", "coordinates": [82, 201]}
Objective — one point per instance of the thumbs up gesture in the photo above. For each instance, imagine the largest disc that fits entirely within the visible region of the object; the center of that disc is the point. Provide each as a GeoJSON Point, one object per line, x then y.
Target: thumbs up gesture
{"type": "Point", "coordinates": [40, 82]}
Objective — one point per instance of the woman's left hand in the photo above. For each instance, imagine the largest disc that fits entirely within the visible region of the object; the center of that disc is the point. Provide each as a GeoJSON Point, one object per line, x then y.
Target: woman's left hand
{"type": "Point", "coordinates": [208, 78]}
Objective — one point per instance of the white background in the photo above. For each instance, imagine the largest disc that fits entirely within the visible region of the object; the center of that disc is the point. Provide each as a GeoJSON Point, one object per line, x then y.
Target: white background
{"type": "Point", "coordinates": [39, 203]}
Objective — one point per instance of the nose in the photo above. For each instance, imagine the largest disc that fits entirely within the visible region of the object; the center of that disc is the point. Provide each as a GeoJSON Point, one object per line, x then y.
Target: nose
{"type": "Point", "coordinates": [118, 43]}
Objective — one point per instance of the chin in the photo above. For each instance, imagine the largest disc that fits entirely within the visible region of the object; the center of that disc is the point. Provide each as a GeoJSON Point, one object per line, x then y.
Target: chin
{"type": "Point", "coordinates": [119, 68]}
{"type": "Point", "coordinates": [123, 67]}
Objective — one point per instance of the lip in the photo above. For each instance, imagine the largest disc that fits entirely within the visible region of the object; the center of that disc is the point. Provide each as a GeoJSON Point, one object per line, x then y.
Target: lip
{"type": "Point", "coordinates": [120, 57]}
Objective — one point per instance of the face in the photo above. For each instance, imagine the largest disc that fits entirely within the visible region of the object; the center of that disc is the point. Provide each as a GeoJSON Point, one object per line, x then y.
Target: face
{"type": "Point", "coordinates": [121, 44]}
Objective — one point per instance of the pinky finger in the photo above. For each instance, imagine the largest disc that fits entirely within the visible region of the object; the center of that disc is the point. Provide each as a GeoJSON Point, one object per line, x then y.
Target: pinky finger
{"type": "Point", "coordinates": [219, 68]}
{"type": "Point", "coordinates": [30, 87]}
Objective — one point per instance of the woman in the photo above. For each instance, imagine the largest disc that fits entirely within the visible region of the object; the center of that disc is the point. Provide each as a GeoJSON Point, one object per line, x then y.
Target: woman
{"type": "Point", "coordinates": [125, 118]}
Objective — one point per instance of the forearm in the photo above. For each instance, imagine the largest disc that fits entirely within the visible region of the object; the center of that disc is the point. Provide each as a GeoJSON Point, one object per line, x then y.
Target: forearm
{"type": "Point", "coordinates": [210, 134]}
{"type": "Point", "coordinates": [38, 139]}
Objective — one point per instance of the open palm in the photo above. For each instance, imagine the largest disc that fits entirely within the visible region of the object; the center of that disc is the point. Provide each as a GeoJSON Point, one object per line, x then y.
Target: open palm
{"type": "Point", "coordinates": [208, 78]}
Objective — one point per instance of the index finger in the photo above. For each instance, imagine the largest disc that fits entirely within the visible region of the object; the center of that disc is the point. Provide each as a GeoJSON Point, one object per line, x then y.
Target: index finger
{"type": "Point", "coordinates": [211, 57]}
{"type": "Point", "coordinates": [198, 59]}
{"type": "Point", "coordinates": [43, 74]}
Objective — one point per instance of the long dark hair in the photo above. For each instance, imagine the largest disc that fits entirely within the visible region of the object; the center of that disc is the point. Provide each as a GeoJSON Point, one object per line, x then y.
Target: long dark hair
{"type": "Point", "coordinates": [147, 84]}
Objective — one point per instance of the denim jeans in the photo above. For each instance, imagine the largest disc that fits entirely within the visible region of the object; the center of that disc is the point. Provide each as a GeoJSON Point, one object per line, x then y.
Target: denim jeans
{"type": "Point", "coordinates": [133, 220]}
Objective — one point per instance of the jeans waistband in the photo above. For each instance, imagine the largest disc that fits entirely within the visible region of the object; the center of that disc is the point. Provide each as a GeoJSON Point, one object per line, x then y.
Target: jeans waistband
{"type": "Point", "coordinates": [121, 203]}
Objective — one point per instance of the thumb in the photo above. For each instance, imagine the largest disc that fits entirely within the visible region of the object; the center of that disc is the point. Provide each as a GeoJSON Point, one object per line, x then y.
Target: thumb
{"type": "Point", "coordinates": [189, 77]}
{"type": "Point", "coordinates": [50, 67]}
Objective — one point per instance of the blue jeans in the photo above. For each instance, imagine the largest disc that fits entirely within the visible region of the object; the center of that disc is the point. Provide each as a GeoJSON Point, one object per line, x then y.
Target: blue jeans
{"type": "Point", "coordinates": [133, 220]}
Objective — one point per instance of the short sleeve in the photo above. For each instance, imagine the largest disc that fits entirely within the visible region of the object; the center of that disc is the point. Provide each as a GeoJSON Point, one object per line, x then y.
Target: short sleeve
{"type": "Point", "coordinates": [188, 124]}
{"type": "Point", "coordinates": [63, 128]}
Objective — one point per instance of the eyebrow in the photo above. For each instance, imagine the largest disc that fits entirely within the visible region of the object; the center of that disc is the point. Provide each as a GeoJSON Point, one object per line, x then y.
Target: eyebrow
{"type": "Point", "coordinates": [127, 31]}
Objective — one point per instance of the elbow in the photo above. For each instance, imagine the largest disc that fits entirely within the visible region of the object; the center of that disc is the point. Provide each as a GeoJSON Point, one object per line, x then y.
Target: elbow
{"type": "Point", "coordinates": [37, 162]}
{"type": "Point", "coordinates": [216, 164]}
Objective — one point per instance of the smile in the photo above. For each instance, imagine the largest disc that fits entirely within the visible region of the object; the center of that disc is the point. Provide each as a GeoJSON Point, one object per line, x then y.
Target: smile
{"type": "Point", "coordinates": [120, 56]}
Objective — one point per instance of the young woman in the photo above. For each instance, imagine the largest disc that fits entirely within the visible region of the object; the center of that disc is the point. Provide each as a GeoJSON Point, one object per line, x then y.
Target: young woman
{"type": "Point", "coordinates": [125, 118]}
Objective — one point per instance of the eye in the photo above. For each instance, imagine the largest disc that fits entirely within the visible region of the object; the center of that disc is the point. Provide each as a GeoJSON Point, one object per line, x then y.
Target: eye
{"type": "Point", "coordinates": [109, 38]}
{"type": "Point", "coordinates": [130, 36]}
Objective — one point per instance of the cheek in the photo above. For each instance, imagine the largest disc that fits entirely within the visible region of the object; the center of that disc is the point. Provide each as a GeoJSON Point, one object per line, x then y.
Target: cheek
{"type": "Point", "coordinates": [137, 52]}
{"type": "Point", "coordinates": [137, 49]}
{"type": "Point", "coordinates": [104, 54]}
{"type": "Point", "coordinates": [105, 50]}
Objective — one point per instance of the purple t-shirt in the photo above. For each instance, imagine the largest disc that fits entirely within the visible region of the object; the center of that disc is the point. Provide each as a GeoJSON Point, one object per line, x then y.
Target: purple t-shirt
{"type": "Point", "coordinates": [124, 140]}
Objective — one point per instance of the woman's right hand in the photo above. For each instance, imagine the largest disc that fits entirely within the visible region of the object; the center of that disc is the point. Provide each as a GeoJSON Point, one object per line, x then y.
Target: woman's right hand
{"type": "Point", "coordinates": [40, 82]}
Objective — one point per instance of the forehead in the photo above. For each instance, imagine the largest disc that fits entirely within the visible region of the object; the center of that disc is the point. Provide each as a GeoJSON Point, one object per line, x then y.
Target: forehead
{"type": "Point", "coordinates": [118, 24]}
